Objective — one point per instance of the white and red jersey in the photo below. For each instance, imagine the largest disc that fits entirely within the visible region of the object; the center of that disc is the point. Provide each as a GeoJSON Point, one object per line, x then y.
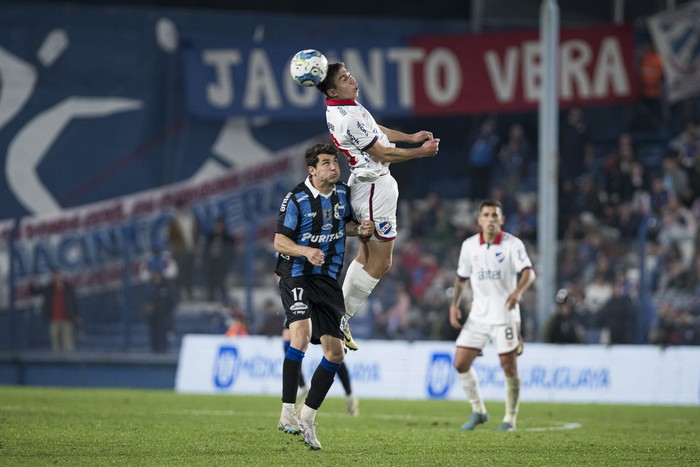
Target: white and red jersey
{"type": "Point", "coordinates": [354, 130]}
{"type": "Point", "coordinates": [493, 272]}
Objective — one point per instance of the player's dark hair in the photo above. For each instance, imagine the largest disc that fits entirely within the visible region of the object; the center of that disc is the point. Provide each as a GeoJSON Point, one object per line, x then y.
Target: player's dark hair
{"type": "Point", "coordinates": [312, 153]}
{"type": "Point", "coordinates": [490, 203]}
{"type": "Point", "coordinates": [331, 75]}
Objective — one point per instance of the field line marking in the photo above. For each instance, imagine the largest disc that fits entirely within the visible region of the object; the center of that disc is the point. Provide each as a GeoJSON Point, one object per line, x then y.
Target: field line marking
{"type": "Point", "coordinates": [560, 426]}
{"type": "Point", "coordinates": [227, 413]}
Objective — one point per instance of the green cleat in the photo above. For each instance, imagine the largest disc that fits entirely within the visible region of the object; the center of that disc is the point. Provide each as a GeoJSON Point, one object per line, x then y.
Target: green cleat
{"type": "Point", "coordinates": [474, 420]}
{"type": "Point", "coordinates": [505, 426]}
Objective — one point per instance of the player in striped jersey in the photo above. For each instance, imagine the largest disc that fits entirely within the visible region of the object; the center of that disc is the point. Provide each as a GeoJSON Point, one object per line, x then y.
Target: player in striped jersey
{"type": "Point", "coordinates": [369, 148]}
{"type": "Point", "coordinates": [313, 221]}
{"type": "Point", "coordinates": [491, 260]}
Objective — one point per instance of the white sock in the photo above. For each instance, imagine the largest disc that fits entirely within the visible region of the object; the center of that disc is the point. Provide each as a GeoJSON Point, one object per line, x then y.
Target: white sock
{"type": "Point", "coordinates": [512, 399]}
{"type": "Point", "coordinates": [353, 267]}
{"type": "Point", "coordinates": [357, 286]}
{"type": "Point", "coordinates": [470, 384]}
{"type": "Point", "coordinates": [288, 407]}
{"type": "Point", "coordinates": [307, 414]}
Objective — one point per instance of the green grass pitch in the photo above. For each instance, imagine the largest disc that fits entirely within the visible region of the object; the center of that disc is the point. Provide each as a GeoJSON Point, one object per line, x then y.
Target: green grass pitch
{"type": "Point", "coordinates": [68, 426]}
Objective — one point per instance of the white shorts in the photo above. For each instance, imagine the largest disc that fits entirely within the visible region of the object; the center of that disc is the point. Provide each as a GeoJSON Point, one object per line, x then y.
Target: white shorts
{"type": "Point", "coordinates": [476, 335]}
{"type": "Point", "coordinates": [376, 201]}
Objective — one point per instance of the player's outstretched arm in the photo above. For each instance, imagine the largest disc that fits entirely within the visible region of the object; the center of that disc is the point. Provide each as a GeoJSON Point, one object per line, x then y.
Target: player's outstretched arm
{"type": "Point", "coordinates": [382, 153]}
{"type": "Point", "coordinates": [396, 136]}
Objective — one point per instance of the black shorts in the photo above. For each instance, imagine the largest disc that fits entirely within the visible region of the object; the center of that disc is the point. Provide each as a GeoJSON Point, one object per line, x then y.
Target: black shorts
{"type": "Point", "coordinates": [317, 297]}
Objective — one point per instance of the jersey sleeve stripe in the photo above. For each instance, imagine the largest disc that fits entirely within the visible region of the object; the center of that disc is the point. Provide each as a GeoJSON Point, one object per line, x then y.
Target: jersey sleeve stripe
{"type": "Point", "coordinates": [374, 140]}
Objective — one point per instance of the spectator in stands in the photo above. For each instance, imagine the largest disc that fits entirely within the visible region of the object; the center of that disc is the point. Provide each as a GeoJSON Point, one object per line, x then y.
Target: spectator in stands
{"type": "Point", "coordinates": [617, 180]}
{"type": "Point", "coordinates": [638, 178]}
{"type": "Point", "coordinates": [158, 260]}
{"type": "Point", "coordinates": [693, 172]}
{"type": "Point", "coordinates": [567, 197]}
{"type": "Point", "coordinates": [657, 199]}
{"type": "Point", "coordinates": [675, 179]}
{"type": "Point", "coordinates": [483, 155]}
{"type": "Point", "coordinates": [626, 221]}
{"type": "Point", "coordinates": [575, 148]}
{"type": "Point", "coordinates": [60, 310]}
{"type": "Point", "coordinates": [589, 197]}
{"type": "Point", "coordinates": [679, 229]}
{"type": "Point", "coordinates": [235, 319]}
{"type": "Point", "coordinates": [509, 201]}
{"type": "Point", "coordinates": [626, 152]}
{"type": "Point", "coordinates": [693, 282]}
{"type": "Point", "coordinates": [674, 278]}
{"type": "Point", "coordinates": [617, 317]}
{"type": "Point", "coordinates": [513, 171]}
{"type": "Point", "coordinates": [568, 267]}
{"type": "Point", "coordinates": [564, 327]}
{"type": "Point", "coordinates": [422, 275]}
{"type": "Point", "coordinates": [442, 235]}
{"type": "Point", "coordinates": [668, 329]}
{"type": "Point", "coordinates": [159, 308]}
{"type": "Point", "coordinates": [271, 320]}
{"type": "Point", "coordinates": [656, 259]}
{"type": "Point", "coordinates": [523, 224]}
{"type": "Point", "coordinates": [394, 321]}
{"type": "Point", "coordinates": [651, 76]}
{"type": "Point", "coordinates": [589, 249]}
{"type": "Point", "coordinates": [237, 325]}
{"type": "Point", "coordinates": [687, 143]}
{"type": "Point", "coordinates": [219, 249]}
{"type": "Point", "coordinates": [690, 326]}
{"type": "Point", "coordinates": [182, 238]}
{"type": "Point", "coordinates": [597, 293]}
{"type": "Point", "coordinates": [425, 217]}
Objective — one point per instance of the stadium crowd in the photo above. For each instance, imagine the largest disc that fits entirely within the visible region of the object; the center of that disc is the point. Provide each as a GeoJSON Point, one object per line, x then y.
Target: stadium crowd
{"type": "Point", "coordinates": [628, 269]}
{"type": "Point", "coordinates": [622, 220]}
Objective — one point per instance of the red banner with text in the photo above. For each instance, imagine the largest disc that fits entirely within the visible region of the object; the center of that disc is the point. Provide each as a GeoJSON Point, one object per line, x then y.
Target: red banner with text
{"type": "Point", "coordinates": [501, 72]}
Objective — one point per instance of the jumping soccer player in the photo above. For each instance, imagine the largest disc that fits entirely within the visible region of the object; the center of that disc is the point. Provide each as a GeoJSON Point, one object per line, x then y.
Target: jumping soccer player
{"type": "Point", "coordinates": [370, 149]}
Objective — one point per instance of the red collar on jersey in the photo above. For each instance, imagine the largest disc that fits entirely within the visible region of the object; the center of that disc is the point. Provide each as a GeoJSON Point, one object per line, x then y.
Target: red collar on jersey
{"type": "Point", "coordinates": [496, 241]}
{"type": "Point", "coordinates": [340, 102]}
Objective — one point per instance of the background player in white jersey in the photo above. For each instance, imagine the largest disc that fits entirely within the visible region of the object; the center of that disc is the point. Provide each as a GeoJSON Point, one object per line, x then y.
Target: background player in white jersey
{"type": "Point", "coordinates": [491, 260]}
{"type": "Point", "coordinates": [369, 148]}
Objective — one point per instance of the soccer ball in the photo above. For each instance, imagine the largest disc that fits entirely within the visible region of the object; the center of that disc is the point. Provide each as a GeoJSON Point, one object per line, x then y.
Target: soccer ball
{"type": "Point", "coordinates": [308, 67]}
